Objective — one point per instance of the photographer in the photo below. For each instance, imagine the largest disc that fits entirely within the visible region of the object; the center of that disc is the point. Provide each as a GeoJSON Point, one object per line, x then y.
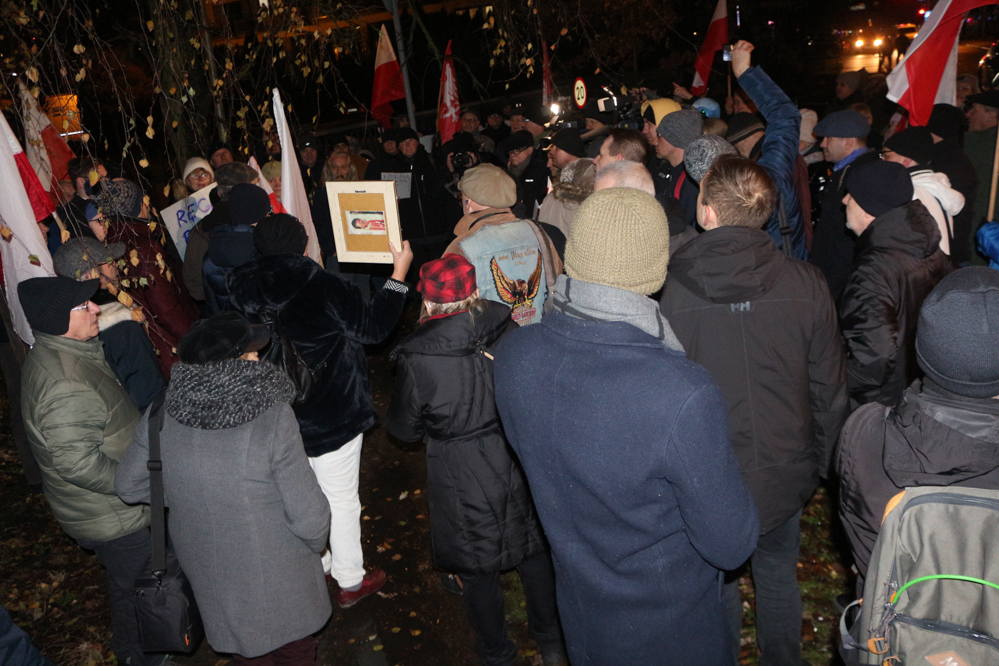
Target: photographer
{"type": "Point", "coordinates": [529, 168]}
{"type": "Point", "coordinates": [457, 156]}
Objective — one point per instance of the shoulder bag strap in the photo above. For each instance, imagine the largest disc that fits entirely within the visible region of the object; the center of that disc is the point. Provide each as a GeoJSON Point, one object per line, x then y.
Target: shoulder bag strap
{"type": "Point", "coordinates": [155, 467]}
{"type": "Point", "coordinates": [546, 253]}
{"type": "Point", "coordinates": [785, 228]}
{"type": "Point", "coordinates": [679, 184]}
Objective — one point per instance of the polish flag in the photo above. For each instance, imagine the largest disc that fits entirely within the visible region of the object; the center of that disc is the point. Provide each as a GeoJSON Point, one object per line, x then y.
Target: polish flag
{"type": "Point", "coordinates": [448, 109]}
{"type": "Point", "coordinates": [266, 187]}
{"type": "Point", "coordinates": [930, 63]}
{"type": "Point", "coordinates": [47, 152]}
{"type": "Point", "coordinates": [388, 81]}
{"type": "Point", "coordinates": [547, 86]}
{"type": "Point", "coordinates": [293, 196]}
{"type": "Point", "coordinates": [716, 38]}
{"type": "Point", "coordinates": [22, 249]}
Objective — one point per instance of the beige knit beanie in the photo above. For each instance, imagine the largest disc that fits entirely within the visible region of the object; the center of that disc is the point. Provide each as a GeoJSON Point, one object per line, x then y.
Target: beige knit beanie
{"type": "Point", "coordinates": [619, 238]}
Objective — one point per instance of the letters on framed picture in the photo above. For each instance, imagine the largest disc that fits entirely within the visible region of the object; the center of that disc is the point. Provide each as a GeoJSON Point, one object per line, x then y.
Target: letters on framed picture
{"type": "Point", "coordinates": [365, 219]}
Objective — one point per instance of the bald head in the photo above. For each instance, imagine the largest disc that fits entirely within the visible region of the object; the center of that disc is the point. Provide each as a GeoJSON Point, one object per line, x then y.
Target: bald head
{"type": "Point", "coordinates": [624, 173]}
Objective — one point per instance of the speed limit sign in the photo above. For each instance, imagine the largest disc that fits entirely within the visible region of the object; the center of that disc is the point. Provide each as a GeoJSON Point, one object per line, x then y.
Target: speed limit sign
{"type": "Point", "coordinates": [579, 93]}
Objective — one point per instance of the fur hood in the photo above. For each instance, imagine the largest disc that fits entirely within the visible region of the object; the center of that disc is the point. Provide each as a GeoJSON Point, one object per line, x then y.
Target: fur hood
{"type": "Point", "coordinates": [111, 314]}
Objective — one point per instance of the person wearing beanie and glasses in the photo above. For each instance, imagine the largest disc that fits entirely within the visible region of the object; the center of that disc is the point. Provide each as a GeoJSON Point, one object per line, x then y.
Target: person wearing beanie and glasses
{"type": "Point", "coordinates": [80, 422]}
{"type": "Point", "coordinates": [764, 325]}
{"type": "Point", "coordinates": [945, 429]}
{"type": "Point", "coordinates": [912, 148]}
{"type": "Point", "coordinates": [625, 444]}
{"type": "Point", "coordinates": [675, 132]}
{"type": "Point", "coordinates": [444, 395]}
{"type": "Point", "coordinates": [328, 321]}
{"type": "Point", "coordinates": [897, 263]}
{"type": "Point", "coordinates": [247, 517]}
{"type": "Point", "coordinates": [128, 349]}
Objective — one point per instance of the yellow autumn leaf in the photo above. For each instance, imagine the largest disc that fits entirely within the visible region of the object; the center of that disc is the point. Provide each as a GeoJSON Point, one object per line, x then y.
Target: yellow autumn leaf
{"type": "Point", "coordinates": [79, 49]}
{"type": "Point", "coordinates": [64, 235]}
{"type": "Point", "coordinates": [166, 191]}
{"type": "Point", "coordinates": [133, 257]}
{"type": "Point", "coordinates": [125, 299]}
{"type": "Point", "coordinates": [32, 73]}
{"type": "Point", "coordinates": [82, 74]}
{"type": "Point", "coordinates": [150, 25]}
{"type": "Point", "coordinates": [150, 132]}
{"type": "Point", "coordinates": [144, 163]}
{"type": "Point", "coordinates": [94, 177]}
{"type": "Point", "coordinates": [138, 316]}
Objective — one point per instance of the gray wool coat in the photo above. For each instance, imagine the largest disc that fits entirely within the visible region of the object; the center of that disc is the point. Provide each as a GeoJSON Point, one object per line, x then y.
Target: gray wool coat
{"type": "Point", "coordinates": [248, 522]}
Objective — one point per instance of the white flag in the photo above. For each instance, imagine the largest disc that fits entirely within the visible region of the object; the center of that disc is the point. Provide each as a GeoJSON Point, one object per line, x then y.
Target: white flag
{"type": "Point", "coordinates": [293, 196]}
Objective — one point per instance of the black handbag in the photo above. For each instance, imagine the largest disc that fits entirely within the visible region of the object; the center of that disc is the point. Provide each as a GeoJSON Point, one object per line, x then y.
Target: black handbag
{"type": "Point", "coordinates": [168, 616]}
{"type": "Point", "coordinates": [283, 353]}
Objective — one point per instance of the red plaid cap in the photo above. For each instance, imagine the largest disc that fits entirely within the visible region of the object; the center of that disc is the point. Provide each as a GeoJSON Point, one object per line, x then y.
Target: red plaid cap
{"type": "Point", "coordinates": [447, 280]}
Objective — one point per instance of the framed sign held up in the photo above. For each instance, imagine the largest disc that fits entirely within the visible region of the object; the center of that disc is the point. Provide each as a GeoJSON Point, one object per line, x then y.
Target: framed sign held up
{"type": "Point", "coordinates": [365, 218]}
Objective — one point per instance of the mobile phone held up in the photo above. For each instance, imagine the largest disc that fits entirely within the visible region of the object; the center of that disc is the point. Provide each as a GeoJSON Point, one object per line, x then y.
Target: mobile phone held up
{"type": "Point", "coordinates": [727, 53]}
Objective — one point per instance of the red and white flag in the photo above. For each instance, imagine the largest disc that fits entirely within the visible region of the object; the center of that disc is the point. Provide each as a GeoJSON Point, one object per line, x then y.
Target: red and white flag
{"type": "Point", "coordinates": [293, 196]}
{"type": "Point", "coordinates": [547, 85]}
{"type": "Point", "coordinates": [930, 63]}
{"type": "Point", "coordinates": [47, 151]}
{"type": "Point", "coordinates": [449, 109]}
{"type": "Point", "coordinates": [716, 38]}
{"type": "Point", "coordinates": [22, 248]}
{"type": "Point", "coordinates": [388, 84]}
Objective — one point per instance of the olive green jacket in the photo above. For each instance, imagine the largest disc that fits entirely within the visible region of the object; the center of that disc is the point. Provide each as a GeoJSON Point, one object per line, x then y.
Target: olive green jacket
{"type": "Point", "coordinates": [80, 422]}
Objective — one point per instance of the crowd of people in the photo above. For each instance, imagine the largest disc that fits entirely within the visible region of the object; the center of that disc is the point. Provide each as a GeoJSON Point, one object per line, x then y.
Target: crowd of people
{"type": "Point", "coordinates": [641, 349]}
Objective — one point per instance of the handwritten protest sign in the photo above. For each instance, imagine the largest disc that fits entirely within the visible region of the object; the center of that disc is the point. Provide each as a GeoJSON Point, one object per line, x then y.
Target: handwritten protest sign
{"type": "Point", "coordinates": [181, 217]}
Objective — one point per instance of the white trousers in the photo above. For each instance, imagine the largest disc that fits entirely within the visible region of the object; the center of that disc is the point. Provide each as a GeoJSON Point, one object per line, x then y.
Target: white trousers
{"type": "Point", "coordinates": [338, 473]}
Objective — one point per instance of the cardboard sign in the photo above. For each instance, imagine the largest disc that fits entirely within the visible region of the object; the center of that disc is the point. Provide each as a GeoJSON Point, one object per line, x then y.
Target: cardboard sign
{"type": "Point", "coordinates": [181, 217]}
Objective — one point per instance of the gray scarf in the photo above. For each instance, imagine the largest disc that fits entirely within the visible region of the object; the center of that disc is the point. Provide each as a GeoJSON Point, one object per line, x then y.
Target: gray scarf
{"type": "Point", "coordinates": [599, 302]}
{"type": "Point", "coordinates": [225, 394]}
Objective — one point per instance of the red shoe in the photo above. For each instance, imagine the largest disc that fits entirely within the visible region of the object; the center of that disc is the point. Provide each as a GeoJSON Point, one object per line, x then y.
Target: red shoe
{"type": "Point", "coordinates": [373, 581]}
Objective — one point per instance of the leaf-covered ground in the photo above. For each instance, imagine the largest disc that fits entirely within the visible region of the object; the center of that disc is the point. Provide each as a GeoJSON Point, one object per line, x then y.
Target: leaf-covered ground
{"type": "Point", "coordinates": [56, 591]}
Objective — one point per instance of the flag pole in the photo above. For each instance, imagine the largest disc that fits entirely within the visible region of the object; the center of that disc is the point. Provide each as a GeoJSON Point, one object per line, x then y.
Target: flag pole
{"type": "Point", "coordinates": [995, 174]}
{"type": "Point", "coordinates": [400, 45]}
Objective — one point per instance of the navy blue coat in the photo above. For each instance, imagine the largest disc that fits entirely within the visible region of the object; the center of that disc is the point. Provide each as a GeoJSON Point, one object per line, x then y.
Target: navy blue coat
{"type": "Point", "coordinates": [780, 153]}
{"type": "Point", "coordinates": [625, 445]}
{"type": "Point", "coordinates": [229, 246]}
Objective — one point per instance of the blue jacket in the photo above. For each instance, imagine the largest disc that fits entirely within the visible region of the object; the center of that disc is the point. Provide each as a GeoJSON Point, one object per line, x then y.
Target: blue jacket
{"type": "Point", "coordinates": [625, 446]}
{"type": "Point", "coordinates": [780, 153]}
{"type": "Point", "coordinates": [229, 246]}
{"type": "Point", "coordinates": [15, 646]}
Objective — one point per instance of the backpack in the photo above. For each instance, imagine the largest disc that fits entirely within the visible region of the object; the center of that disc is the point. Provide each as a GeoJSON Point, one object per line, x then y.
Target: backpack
{"type": "Point", "coordinates": [932, 590]}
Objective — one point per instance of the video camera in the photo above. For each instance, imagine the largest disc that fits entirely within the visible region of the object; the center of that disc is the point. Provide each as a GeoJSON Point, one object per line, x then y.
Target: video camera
{"type": "Point", "coordinates": [629, 113]}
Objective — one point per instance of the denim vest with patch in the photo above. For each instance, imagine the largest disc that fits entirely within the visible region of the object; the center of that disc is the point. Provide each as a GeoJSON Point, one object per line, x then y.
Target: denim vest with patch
{"type": "Point", "coordinates": [509, 268]}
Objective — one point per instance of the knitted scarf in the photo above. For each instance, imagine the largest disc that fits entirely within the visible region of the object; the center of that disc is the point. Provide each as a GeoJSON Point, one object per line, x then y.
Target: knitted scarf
{"type": "Point", "coordinates": [599, 302]}
{"type": "Point", "coordinates": [225, 394]}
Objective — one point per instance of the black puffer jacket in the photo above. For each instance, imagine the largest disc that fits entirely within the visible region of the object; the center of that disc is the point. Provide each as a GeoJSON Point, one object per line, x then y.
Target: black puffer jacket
{"type": "Point", "coordinates": [897, 263]}
{"type": "Point", "coordinates": [832, 242]}
{"type": "Point", "coordinates": [765, 328]}
{"type": "Point", "coordinates": [328, 320]}
{"type": "Point", "coordinates": [931, 438]}
{"type": "Point", "coordinates": [482, 518]}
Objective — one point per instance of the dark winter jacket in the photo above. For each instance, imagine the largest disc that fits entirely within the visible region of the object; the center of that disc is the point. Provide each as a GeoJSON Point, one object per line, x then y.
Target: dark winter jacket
{"type": "Point", "coordinates": [229, 246]}
{"type": "Point", "coordinates": [898, 262]}
{"type": "Point", "coordinates": [672, 182]}
{"type": "Point", "coordinates": [779, 154]}
{"type": "Point", "coordinates": [322, 220]}
{"type": "Point", "coordinates": [765, 327]}
{"type": "Point", "coordinates": [422, 213]}
{"type": "Point", "coordinates": [931, 438]}
{"type": "Point", "coordinates": [197, 244]}
{"type": "Point", "coordinates": [130, 354]}
{"type": "Point", "coordinates": [625, 445]}
{"type": "Point", "coordinates": [532, 184]}
{"type": "Point", "coordinates": [482, 519]}
{"type": "Point", "coordinates": [164, 297]}
{"type": "Point", "coordinates": [15, 646]}
{"type": "Point", "coordinates": [832, 242]}
{"type": "Point", "coordinates": [950, 159]}
{"type": "Point", "coordinates": [329, 321]}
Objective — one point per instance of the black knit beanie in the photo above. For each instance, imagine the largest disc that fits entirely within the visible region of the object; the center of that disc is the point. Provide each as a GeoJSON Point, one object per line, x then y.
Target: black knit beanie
{"type": "Point", "coordinates": [957, 338]}
{"type": "Point", "coordinates": [879, 186]}
{"type": "Point", "coordinates": [47, 301]}
{"type": "Point", "coordinates": [280, 234]}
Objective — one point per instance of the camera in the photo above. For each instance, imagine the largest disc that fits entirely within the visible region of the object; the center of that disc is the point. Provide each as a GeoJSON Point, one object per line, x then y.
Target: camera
{"type": "Point", "coordinates": [461, 160]}
{"type": "Point", "coordinates": [629, 114]}
{"type": "Point", "coordinates": [727, 53]}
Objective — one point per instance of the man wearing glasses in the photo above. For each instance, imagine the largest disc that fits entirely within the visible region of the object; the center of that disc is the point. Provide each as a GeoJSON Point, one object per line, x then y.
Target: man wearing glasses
{"type": "Point", "coordinates": [80, 421]}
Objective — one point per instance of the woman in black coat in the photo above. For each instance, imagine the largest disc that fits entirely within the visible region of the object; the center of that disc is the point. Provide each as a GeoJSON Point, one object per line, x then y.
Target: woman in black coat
{"type": "Point", "coordinates": [482, 518]}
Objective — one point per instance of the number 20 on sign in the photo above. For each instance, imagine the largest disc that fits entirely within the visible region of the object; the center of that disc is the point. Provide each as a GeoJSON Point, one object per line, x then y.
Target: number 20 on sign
{"type": "Point", "coordinates": [579, 93]}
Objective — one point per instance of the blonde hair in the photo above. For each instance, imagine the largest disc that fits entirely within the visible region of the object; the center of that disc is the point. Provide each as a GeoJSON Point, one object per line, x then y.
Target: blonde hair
{"type": "Point", "coordinates": [473, 304]}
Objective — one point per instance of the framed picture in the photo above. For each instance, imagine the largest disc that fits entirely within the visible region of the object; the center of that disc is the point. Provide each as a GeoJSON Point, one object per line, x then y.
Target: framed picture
{"type": "Point", "coordinates": [365, 219]}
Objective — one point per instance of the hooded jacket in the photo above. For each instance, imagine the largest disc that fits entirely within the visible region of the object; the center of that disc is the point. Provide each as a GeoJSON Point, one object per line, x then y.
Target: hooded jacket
{"type": "Point", "coordinates": [931, 438]}
{"type": "Point", "coordinates": [941, 200]}
{"type": "Point", "coordinates": [328, 320]}
{"type": "Point", "coordinates": [765, 327]}
{"type": "Point", "coordinates": [482, 519]}
{"type": "Point", "coordinates": [897, 263]}
{"type": "Point", "coordinates": [229, 246]}
{"type": "Point", "coordinates": [79, 422]}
